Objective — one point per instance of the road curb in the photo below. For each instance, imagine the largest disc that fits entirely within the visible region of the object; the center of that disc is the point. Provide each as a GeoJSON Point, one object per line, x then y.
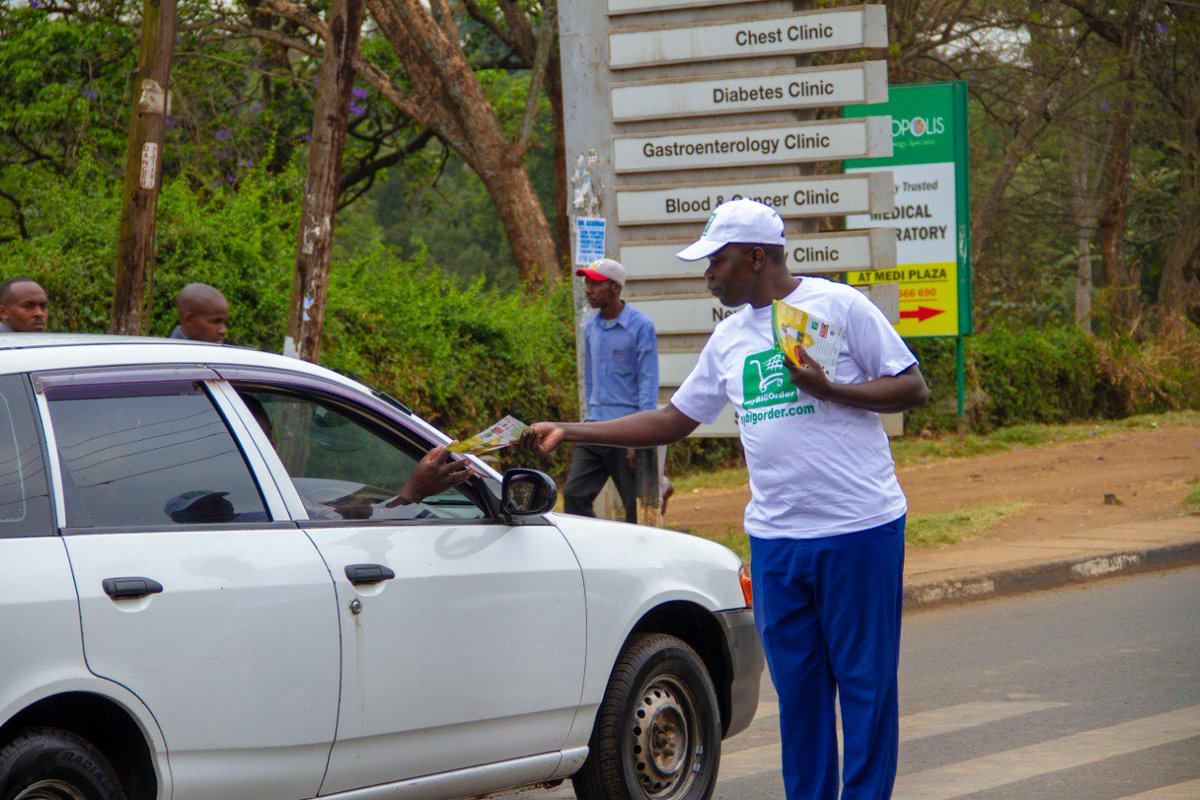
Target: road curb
{"type": "Point", "coordinates": [1051, 575]}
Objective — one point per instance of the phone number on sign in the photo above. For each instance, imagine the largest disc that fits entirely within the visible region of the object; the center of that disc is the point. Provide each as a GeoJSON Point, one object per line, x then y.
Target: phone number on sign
{"type": "Point", "coordinates": [924, 292]}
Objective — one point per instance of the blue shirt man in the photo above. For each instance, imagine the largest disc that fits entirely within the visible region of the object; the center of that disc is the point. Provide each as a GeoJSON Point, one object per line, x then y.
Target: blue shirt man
{"type": "Point", "coordinates": [620, 372]}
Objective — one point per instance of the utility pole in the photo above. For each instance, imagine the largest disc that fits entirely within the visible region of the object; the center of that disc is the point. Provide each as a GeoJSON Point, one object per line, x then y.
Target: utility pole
{"type": "Point", "coordinates": [143, 162]}
{"type": "Point", "coordinates": [314, 248]}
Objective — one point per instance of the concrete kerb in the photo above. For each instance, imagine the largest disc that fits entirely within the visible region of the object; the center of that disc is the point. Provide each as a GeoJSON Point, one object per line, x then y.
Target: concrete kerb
{"type": "Point", "coordinates": [1049, 575]}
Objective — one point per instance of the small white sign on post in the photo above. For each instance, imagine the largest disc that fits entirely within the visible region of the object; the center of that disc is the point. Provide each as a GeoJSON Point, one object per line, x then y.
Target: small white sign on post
{"type": "Point", "coordinates": [148, 176]}
{"type": "Point", "coordinates": [806, 32]}
{"type": "Point", "coordinates": [590, 234]}
{"type": "Point", "coordinates": [793, 143]}
{"type": "Point", "coordinates": [861, 193]}
{"type": "Point", "coordinates": [776, 90]}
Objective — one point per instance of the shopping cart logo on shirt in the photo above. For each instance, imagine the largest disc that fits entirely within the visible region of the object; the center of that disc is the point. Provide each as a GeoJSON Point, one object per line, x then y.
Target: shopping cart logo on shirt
{"type": "Point", "coordinates": [765, 381]}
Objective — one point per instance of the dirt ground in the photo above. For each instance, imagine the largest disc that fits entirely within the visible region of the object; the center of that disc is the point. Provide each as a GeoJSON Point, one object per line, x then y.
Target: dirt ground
{"type": "Point", "coordinates": [1148, 472]}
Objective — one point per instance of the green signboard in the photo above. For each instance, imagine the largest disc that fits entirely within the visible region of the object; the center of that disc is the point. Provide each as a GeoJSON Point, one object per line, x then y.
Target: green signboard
{"type": "Point", "coordinates": [932, 214]}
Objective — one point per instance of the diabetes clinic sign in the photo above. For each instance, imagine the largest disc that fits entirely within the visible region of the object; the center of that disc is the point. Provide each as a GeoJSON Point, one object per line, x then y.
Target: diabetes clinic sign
{"type": "Point", "coordinates": [932, 214]}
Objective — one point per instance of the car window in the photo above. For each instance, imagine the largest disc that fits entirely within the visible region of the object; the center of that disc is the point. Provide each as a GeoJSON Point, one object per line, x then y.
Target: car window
{"type": "Point", "coordinates": [149, 455]}
{"type": "Point", "coordinates": [24, 498]}
{"type": "Point", "coordinates": [344, 466]}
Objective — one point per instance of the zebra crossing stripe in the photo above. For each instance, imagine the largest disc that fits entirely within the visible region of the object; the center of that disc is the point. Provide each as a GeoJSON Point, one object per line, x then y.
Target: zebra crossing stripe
{"type": "Point", "coordinates": [998, 769]}
{"type": "Point", "coordinates": [1179, 791]}
{"type": "Point", "coordinates": [766, 758]}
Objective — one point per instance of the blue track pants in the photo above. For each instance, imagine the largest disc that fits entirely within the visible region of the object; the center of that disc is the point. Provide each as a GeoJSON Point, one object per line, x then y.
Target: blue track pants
{"type": "Point", "coordinates": [828, 612]}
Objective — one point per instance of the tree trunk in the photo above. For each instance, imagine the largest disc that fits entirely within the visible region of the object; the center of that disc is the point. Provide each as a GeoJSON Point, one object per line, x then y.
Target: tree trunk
{"type": "Point", "coordinates": [521, 214]}
{"type": "Point", "coordinates": [314, 248]}
{"type": "Point", "coordinates": [1180, 285]}
{"type": "Point", "coordinates": [562, 221]}
{"type": "Point", "coordinates": [143, 166]}
{"type": "Point", "coordinates": [447, 97]}
{"type": "Point", "coordinates": [984, 218]}
{"type": "Point", "coordinates": [1179, 288]}
{"type": "Point", "coordinates": [1083, 209]}
{"type": "Point", "coordinates": [1121, 278]}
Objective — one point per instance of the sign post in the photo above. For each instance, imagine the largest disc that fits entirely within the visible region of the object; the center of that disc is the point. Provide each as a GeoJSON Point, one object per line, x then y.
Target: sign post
{"type": "Point", "coordinates": [932, 216]}
{"type": "Point", "coordinates": [674, 106]}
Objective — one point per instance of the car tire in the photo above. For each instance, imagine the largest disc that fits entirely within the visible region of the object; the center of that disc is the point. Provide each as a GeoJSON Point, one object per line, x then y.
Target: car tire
{"type": "Point", "coordinates": [53, 764]}
{"type": "Point", "coordinates": [658, 730]}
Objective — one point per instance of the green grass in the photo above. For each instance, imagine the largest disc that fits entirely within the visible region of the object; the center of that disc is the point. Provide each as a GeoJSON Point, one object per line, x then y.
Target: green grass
{"type": "Point", "coordinates": [914, 450]}
{"type": "Point", "coordinates": [930, 530]}
{"type": "Point", "coordinates": [1192, 499]}
{"type": "Point", "coordinates": [949, 527]}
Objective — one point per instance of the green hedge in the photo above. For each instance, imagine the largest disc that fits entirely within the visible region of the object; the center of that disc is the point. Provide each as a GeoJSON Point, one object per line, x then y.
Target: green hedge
{"type": "Point", "coordinates": [463, 354]}
{"type": "Point", "coordinates": [1059, 374]}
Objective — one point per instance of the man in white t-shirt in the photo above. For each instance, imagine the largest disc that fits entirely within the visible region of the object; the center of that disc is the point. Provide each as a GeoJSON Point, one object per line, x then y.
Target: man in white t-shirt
{"type": "Point", "coordinates": [826, 515]}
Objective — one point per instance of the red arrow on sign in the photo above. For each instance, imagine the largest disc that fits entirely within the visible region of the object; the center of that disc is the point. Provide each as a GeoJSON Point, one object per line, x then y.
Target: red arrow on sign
{"type": "Point", "coordinates": [922, 313]}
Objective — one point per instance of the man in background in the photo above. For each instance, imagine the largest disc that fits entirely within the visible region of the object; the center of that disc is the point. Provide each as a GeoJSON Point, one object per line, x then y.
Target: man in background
{"type": "Point", "coordinates": [203, 314]}
{"type": "Point", "coordinates": [620, 367]}
{"type": "Point", "coordinates": [23, 306]}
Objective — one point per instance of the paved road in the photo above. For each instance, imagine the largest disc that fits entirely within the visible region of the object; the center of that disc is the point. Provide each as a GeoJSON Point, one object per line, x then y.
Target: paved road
{"type": "Point", "coordinates": [1090, 692]}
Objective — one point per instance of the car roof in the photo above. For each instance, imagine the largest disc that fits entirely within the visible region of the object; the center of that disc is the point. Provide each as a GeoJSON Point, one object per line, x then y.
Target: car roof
{"type": "Point", "coordinates": [39, 352]}
{"type": "Point", "coordinates": [43, 352]}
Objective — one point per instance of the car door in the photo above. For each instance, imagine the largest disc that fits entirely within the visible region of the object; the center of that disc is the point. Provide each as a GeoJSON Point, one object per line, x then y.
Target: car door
{"type": "Point", "coordinates": [223, 621]}
{"type": "Point", "coordinates": [39, 618]}
{"type": "Point", "coordinates": [473, 652]}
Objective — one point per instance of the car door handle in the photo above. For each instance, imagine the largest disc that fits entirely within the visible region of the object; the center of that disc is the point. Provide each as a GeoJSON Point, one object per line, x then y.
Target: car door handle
{"type": "Point", "coordinates": [368, 573]}
{"type": "Point", "coordinates": [131, 587]}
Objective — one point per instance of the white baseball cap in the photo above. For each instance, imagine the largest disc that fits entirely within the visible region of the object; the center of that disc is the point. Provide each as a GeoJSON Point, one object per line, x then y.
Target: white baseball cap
{"type": "Point", "coordinates": [606, 269]}
{"type": "Point", "coordinates": [743, 221]}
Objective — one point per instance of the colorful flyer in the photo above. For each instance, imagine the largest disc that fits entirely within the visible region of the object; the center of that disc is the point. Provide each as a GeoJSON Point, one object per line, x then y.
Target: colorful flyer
{"type": "Point", "coordinates": [497, 436]}
{"type": "Point", "coordinates": [794, 329]}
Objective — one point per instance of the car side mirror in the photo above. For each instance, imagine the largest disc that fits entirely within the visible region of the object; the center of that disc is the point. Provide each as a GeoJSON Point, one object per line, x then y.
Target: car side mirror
{"type": "Point", "coordinates": [527, 492]}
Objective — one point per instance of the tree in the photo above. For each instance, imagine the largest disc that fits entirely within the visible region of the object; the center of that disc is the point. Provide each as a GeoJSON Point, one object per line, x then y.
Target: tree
{"type": "Point", "coordinates": [1173, 68]}
{"type": "Point", "coordinates": [1124, 27]}
{"type": "Point", "coordinates": [314, 247]}
{"type": "Point", "coordinates": [442, 92]}
{"type": "Point", "coordinates": [143, 165]}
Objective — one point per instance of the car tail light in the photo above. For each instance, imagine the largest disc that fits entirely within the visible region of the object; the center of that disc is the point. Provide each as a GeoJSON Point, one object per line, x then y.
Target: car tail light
{"type": "Point", "coordinates": [747, 589]}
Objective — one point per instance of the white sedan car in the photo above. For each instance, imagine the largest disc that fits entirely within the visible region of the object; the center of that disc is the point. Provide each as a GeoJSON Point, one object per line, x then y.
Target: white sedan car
{"type": "Point", "coordinates": [209, 589]}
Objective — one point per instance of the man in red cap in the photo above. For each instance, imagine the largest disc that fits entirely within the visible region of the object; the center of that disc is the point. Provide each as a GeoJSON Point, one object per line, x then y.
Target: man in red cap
{"type": "Point", "coordinates": [620, 368]}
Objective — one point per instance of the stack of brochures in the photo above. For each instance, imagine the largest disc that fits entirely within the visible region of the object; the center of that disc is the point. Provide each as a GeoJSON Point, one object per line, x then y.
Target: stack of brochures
{"type": "Point", "coordinates": [502, 434]}
{"type": "Point", "coordinates": [796, 329]}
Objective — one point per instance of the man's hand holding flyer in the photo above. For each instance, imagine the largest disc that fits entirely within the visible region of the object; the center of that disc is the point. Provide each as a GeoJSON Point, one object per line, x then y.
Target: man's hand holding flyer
{"type": "Point", "coordinates": [503, 433]}
{"type": "Point", "coordinates": [796, 329]}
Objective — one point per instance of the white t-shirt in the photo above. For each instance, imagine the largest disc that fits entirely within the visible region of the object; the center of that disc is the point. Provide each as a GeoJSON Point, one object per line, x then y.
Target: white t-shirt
{"type": "Point", "coordinates": [817, 468]}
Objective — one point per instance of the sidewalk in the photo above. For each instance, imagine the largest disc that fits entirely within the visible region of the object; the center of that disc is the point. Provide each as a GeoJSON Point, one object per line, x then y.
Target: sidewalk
{"type": "Point", "coordinates": [1017, 563]}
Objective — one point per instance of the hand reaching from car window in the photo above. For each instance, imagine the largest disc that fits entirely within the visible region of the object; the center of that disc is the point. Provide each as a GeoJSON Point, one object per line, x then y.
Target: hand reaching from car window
{"type": "Point", "coordinates": [434, 473]}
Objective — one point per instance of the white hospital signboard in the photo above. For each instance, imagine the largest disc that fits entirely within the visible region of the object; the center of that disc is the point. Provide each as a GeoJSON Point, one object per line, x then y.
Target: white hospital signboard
{"type": "Point", "coordinates": [874, 248]}
{"type": "Point", "coordinates": [685, 316]}
{"type": "Point", "coordinates": [865, 193]}
{"type": "Point", "coordinates": [864, 137]}
{"type": "Point", "coordinates": [775, 90]}
{"type": "Point", "coordinates": [809, 32]}
{"type": "Point", "coordinates": [634, 6]}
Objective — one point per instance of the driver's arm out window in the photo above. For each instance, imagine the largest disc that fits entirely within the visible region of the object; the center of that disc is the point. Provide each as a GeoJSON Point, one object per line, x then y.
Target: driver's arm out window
{"type": "Point", "coordinates": [344, 466]}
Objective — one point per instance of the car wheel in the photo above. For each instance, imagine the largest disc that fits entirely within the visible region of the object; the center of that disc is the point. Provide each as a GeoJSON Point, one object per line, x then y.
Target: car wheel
{"type": "Point", "coordinates": [52, 764]}
{"type": "Point", "coordinates": [658, 731]}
